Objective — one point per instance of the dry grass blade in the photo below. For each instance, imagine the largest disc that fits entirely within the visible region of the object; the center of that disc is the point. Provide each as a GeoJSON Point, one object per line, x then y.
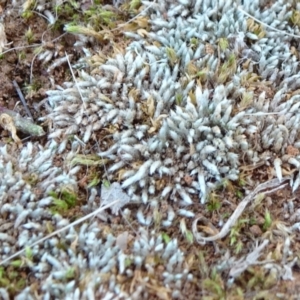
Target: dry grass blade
{"type": "Point", "coordinates": [268, 26]}
{"type": "Point", "coordinates": [74, 78]}
{"type": "Point", "coordinates": [97, 211]}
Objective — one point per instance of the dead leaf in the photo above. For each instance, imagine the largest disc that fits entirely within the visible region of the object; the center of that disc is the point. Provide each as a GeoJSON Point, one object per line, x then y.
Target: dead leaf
{"type": "Point", "coordinates": [122, 240]}
{"type": "Point", "coordinates": [112, 193]}
{"type": "Point", "coordinates": [156, 123]}
{"type": "Point", "coordinates": [74, 244]}
{"type": "Point", "coordinates": [208, 230]}
{"type": "Point", "coordinates": [142, 32]}
{"type": "Point", "coordinates": [150, 107]}
{"type": "Point", "coordinates": [7, 122]}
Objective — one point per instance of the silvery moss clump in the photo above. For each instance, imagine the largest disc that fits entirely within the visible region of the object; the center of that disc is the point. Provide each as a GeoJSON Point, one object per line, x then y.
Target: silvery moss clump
{"type": "Point", "coordinates": [190, 98]}
{"type": "Point", "coordinates": [78, 263]}
{"type": "Point", "coordinates": [94, 265]}
{"type": "Point", "coordinates": [28, 182]}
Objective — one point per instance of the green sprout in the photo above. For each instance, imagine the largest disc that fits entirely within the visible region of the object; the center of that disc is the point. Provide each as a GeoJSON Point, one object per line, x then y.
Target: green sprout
{"type": "Point", "coordinates": [172, 56]}
{"type": "Point", "coordinates": [227, 69]}
{"type": "Point", "coordinates": [27, 260]}
{"type": "Point", "coordinates": [97, 17]}
{"type": "Point", "coordinates": [202, 75]}
{"type": "Point", "coordinates": [70, 274]}
{"type": "Point", "coordinates": [267, 220]}
{"type": "Point", "coordinates": [194, 43]}
{"type": "Point", "coordinates": [214, 285]}
{"type": "Point", "coordinates": [178, 99]}
{"type": "Point", "coordinates": [242, 180]}
{"type": "Point", "coordinates": [74, 4]}
{"type": "Point", "coordinates": [258, 201]}
{"type": "Point", "coordinates": [21, 55]}
{"type": "Point", "coordinates": [12, 281]}
{"type": "Point", "coordinates": [27, 14]}
{"type": "Point", "coordinates": [295, 18]}
{"type": "Point", "coordinates": [63, 201]}
{"type": "Point", "coordinates": [94, 182]}
{"type": "Point", "coordinates": [17, 263]}
{"type": "Point", "coordinates": [223, 43]}
{"type": "Point", "coordinates": [252, 221]}
{"type": "Point", "coordinates": [238, 247]}
{"type": "Point", "coordinates": [165, 237]}
{"type": "Point", "coordinates": [134, 4]}
{"type": "Point", "coordinates": [235, 232]}
{"type": "Point", "coordinates": [29, 35]}
{"type": "Point", "coordinates": [214, 203]}
{"type": "Point", "coordinates": [28, 253]}
{"type": "Point", "coordinates": [32, 88]}
{"type": "Point", "coordinates": [128, 262]}
{"type": "Point", "coordinates": [106, 183]}
{"type": "Point", "coordinates": [189, 237]}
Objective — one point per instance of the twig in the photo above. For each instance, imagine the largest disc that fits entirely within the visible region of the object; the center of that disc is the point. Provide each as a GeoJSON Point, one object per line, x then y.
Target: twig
{"type": "Point", "coordinates": [22, 99]}
{"type": "Point", "coordinates": [264, 188]}
{"type": "Point", "coordinates": [22, 124]}
{"type": "Point", "coordinates": [238, 267]}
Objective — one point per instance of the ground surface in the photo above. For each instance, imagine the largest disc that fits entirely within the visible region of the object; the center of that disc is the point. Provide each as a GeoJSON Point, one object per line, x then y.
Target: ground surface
{"type": "Point", "coordinates": [22, 65]}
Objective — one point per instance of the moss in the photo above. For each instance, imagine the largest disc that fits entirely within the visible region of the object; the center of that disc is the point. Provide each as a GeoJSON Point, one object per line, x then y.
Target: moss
{"type": "Point", "coordinates": [166, 238]}
{"type": "Point", "coordinates": [88, 160]}
{"type": "Point", "coordinates": [295, 18]}
{"type": "Point", "coordinates": [172, 57]}
{"type": "Point", "coordinates": [214, 285]}
{"type": "Point", "coordinates": [256, 28]}
{"type": "Point", "coordinates": [267, 220]}
{"type": "Point", "coordinates": [178, 99]}
{"type": "Point", "coordinates": [63, 201]}
{"type": "Point", "coordinates": [223, 44]}
{"type": "Point", "coordinates": [213, 203]}
{"type": "Point", "coordinates": [247, 99]}
{"type": "Point", "coordinates": [227, 69]}
{"type": "Point", "coordinates": [93, 181]}
{"type": "Point", "coordinates": [236, 231]}
{"type": "Point", "coordinates": [13, 279]}
{"type": "Point", "coordinates": [135, 4]}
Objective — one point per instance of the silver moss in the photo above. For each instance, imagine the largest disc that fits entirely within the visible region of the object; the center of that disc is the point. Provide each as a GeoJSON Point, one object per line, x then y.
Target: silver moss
{"type": "Point", "coordinates": [186, 116]}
